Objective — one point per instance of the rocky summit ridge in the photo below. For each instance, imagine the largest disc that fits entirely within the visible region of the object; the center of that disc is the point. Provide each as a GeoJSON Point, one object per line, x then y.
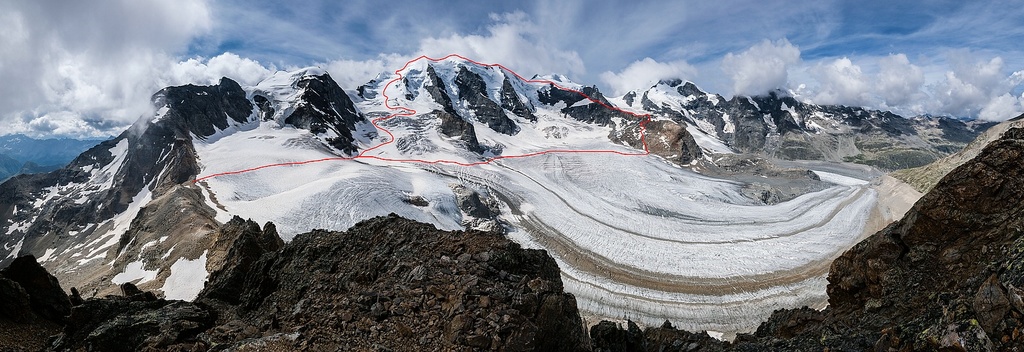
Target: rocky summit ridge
{"type": "Point", "coordinates": [778, 125]}
{"type": "Point", "coordinates": [387, 284]}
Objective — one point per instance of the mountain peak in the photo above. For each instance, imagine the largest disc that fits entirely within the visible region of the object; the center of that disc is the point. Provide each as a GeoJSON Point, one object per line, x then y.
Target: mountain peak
{"type": "Point", "coordinates": [309, 98]}
{"type": "Point", "coordinates": [202, 110]}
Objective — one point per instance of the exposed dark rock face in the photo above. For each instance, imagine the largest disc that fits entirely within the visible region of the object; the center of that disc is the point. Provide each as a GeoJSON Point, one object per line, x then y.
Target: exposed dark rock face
{"type": "Point", "coordinates": [15, 305]}
{"type": "Point", "coordinates": [610, 337]}
{"type": "Point", "coordinates": [190, 111]}
{"type": "Point", "coordinates": [455, 127]}
{"type": "Point", "coordinates": [473, 91]}
{"type": "Point", "coordinates": [553, 95]}
{"type": "Point", "coordinates": [323, 106]}
{"type": "Point", "coordinates": [438, 91]}
{"type": "Point", "coordinates": [202, 109]}
{"type": "Point", "coordinates": [629, 98]}
{"type": "Point", "coordinates": [388, 283]}
{"type": "Point", "coordinates": [45, 297]}
{"type": "Point", "coordinates": [244, 243]}
{"type": "Point", "coordinates": [265, 107]}
{"type": "Point", "coordinates": [117, 323]}
{"type": "Point", "coordinates": [510, 101]}
{"type": "Point", "coordinates": [365, 91]}
{"type": "Point", "coordinates": [671, 141]}
{"type": "Point", "coordinates": [407, 285]}
{"type": "Point", "coordinates": [953, 258]}
{"type": "Point", "coordinates": [780, 126]}
{"type": "Point", "coordinates": [597, 111]}
{"type": "Point", "coordinates": [32, 306]}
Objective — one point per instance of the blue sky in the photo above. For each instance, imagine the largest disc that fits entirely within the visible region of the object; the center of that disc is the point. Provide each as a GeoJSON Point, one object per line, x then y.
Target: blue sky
{"type": "Point", "coordinates": [89, 69]}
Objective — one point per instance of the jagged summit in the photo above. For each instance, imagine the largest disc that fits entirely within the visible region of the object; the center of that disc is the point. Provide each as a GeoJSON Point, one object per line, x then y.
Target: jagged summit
{"type": "Point", "coordinates": [491, 111]}
{"type": "Point", "coordinates": [201, 110]}
{"type": "Point", "coordinates": [779, 125]}
{"type": "Point", "coordinates": [310, 99]}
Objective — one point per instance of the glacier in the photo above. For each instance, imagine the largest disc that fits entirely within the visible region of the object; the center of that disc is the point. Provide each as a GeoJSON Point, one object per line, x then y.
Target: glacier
{"type": "Point", "coordinates": [637, 237]}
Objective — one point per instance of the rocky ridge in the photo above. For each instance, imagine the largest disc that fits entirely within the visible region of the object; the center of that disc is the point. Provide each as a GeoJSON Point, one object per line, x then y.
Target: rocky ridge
{"type": "Point", "coordinates": [465, 93]}
{"type": "Point", "coordinates": [923, 178]}
{"type": "Point", "coordinates": [387, 284]}
{"type": "Point", "coordinates": [779, 126]}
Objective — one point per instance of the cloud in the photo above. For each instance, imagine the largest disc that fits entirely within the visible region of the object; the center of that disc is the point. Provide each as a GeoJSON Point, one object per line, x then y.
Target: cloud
{"type": "Point", "coordinates": [1001, 108]}
{"type": "Point", "coordinates": [644, 73]}
{"type": "Point", "coordinates": [762, 67]}
{"type": "Point", "coordinates": [974, 85]}
{"type": "Point", "coordinates": [209, 71]}
{"type": "Point", "coordinates": [84, 69]}
{"type": "Point", "coordinates": [842, 82]}
{"type": "Point", "coordinates": [899, 82]}
{"type": "Point", "coordinates": [353, 73]}
{"type": "Point", "coordinates": [512, 40]}
{"type": "Point", "coordinates": [72, 67]}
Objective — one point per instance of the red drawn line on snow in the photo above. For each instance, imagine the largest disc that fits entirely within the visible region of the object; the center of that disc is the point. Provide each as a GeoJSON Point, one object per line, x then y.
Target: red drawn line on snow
{"type": "Point", "coordinates": [404, 111]}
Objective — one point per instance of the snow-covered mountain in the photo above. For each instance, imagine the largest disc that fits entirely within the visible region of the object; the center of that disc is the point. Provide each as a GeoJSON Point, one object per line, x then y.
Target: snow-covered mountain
{"type": "Point", "coordinates": [778, 125]}
{"type": "Point", "coordinates": [490, 111]}
{"type": "Point", "coordinates": [642, 199]}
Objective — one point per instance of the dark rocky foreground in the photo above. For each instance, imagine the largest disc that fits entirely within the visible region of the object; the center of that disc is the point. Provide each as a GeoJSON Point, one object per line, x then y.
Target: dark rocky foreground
{"type": "Point", "coordinates": [945, 277]}
{"type": "Point", "coordinates": [386, 284]}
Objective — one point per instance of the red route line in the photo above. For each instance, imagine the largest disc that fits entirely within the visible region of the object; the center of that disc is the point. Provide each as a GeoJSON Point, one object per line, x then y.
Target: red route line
{"type": "Point", "coordinates": [404, 111]}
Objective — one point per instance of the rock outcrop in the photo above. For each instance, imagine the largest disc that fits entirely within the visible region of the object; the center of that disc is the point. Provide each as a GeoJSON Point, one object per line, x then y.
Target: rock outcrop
{"type": "Point", "coordinates": [387, 283]}
{"type": "Point", "coordinates": [923, 178]}
{"type": "Point", "coordinates": [473, 91]}
{"type": "Point", "coordinates": [32, 305]}
{"type": "Point", "coordinates": [950, 265]}
{"type": "Point", "coordinates": [323, 107]}
{"type": "Point", "coordinates": [398, 284]}
{"type": "Point", "coordinates": [778, 125]}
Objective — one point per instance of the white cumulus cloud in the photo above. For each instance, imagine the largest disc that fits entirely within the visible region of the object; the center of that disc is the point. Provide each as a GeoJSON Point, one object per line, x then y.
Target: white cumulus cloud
{"type": "Point", "coordinates": [762, 67]}
{"type": "Point", "coordinates": [514, 41]}
{"type": "Point", "coordinates": [87, 69]}
{"type": "Point", "coordinates": [208, 71]}
{"type": "Point", "coordinates": [842, 82]}
{"type": "Point", "coordinates": [353, 73]}
{"type": "Point", "coordinates": [899, 82]}
{"type": "Point", "coordinates": [1001, 108]}
{"type": "Point", "coordinates": [644, 73]}
{"type": "Point", "coordinates": [975, 86]}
